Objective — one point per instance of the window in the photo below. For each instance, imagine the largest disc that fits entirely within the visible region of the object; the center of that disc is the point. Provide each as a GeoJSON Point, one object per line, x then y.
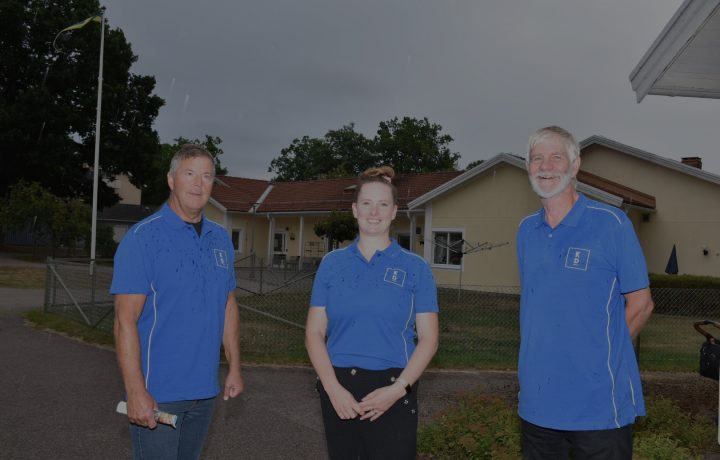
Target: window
{"type": "Point", "coordinates": [237, 240]}
{"type": "Point", "coordinates": [447, 248]}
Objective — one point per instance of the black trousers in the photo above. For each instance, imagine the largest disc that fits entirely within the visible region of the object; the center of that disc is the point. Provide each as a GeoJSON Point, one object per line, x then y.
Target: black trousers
{"type": "Point", "coordinates": [547, 444]}
{"type": "Point", "coordinates": [392, 436]}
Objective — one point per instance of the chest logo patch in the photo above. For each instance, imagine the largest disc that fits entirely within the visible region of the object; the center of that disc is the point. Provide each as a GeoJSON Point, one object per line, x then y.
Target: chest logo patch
{"type": "Point", "coordinates": [577, 258]}
{"type": "Point", "coordinates": [395, 276]}
{"type": "Point", "coordinates": [221, 259]}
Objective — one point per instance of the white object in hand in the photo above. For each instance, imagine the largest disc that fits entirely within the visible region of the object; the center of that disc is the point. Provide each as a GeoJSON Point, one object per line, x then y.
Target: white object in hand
{"type": "Point", "coordinates": [160, 417]}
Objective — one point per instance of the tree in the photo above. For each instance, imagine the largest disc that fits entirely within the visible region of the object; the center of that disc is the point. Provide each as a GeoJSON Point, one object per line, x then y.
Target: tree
{"type": "Point", "coordinates": [414, 146]}
{"type": "Point", "coordinates": [156, 190]}
{"type": "Point", "coordinates": [472, 164]}
{"type": "Point", "coordinates": [64, 222]}
{"type": "Point", "coordinates": [48, 101]}
{"type": "Point", "coordinates": [340, 153]}
{"type": "Point", "coordinates": [408, 145]}
{"type": "Point", "coordinates": [339, 226]}
{"type": "Point", "coordinates": [351, 151]}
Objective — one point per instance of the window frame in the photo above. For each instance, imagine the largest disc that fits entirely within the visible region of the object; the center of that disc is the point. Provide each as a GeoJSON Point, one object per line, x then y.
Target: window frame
{"type": "Point", "coordinates": [446, 231]}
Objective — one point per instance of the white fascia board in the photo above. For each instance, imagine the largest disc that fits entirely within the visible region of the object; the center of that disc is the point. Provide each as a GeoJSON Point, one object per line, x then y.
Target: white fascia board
{"type": "Point", "coordinates": [217, 204]}
{"type": "Point", "coordinates": [651, 157]}
{"type": "Point", "coordinates": [599, 195]}
{"type": "Point", "coordinates": [593, 192]}
{"type": "Point", "coordinates": [466, 176]}
{"type": "Point", "coordinates": [674, 38]}
{"type": "Point", "coordinates": [260, 200]}
{"type": "Point", "coordinates": [514, 161]}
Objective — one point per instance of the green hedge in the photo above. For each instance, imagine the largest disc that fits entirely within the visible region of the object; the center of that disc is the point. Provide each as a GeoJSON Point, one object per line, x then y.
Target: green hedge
{"type": "Point", "coordinates": [683, 281]}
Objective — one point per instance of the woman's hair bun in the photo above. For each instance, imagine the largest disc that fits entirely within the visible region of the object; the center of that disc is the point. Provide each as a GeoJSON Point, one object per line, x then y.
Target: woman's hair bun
{"type": "Point", "coordinates": [384, 172]}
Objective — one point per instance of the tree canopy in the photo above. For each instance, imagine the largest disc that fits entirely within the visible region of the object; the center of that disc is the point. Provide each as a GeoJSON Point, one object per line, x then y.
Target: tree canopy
{"type": "Point", "coordinates": [48, 101]}
{"type": "Point", "coordinates": [414, 146]}
{"type": "Point", "coordinates": [64, 222]}
{"type": "Point", "coordinates": [409, 145]}
{"type": "Point", "coordinates": [338, 226]}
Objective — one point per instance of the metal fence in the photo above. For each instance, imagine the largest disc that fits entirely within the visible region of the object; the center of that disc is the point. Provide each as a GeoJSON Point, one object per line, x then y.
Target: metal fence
{"type": "Point", "coordinates": [71, 290]}
{"type": "Point", "coordinates": [478, 324]}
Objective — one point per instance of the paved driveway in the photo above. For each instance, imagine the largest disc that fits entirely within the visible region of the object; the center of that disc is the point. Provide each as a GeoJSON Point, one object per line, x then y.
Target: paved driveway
{"type": "Point", "coordinates": [57, 399]}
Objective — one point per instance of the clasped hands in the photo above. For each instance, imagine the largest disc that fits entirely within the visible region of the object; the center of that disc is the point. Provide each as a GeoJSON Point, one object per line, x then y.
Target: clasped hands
{"type": "Point", "coordinates": [371, 407]}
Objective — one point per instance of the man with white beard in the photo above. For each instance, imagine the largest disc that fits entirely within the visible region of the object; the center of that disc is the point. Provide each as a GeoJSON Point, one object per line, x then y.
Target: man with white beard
{"type": "Point", "coordinates": [584, 296]}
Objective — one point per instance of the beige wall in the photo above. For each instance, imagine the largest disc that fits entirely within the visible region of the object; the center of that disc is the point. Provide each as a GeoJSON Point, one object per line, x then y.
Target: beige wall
{"type": "Point", "coordinates": [214, 214]}
{"type": "Point", "coordinates": [128, 193]}
{"type": "Point", "coordinates": [489, 209]}
{"type": "Point", "coordinates": [254, 233]}
{"type": "Point", "coordinates": [687, 215]}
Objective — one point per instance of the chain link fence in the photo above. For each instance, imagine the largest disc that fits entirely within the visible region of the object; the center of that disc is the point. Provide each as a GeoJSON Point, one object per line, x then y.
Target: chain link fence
{"type": "Point", "coordinates": [79, 293]}
{"type": "Point", "coordinates": [479, 325]}
{"type": "Point", "coordinates": [669, 341]}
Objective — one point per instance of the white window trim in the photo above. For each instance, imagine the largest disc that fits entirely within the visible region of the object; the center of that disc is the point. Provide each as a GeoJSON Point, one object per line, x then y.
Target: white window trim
{"type": "Point", "coordinates": [432, 248]}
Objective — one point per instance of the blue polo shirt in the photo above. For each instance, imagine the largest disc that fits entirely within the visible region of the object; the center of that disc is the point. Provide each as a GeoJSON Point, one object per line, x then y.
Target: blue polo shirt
{"type": "Point", "coordinates": [187, 279]}
{"type": "Point", "coordinates": [371, 306]}
{"type": "Point", "coordinates": [577, 367]}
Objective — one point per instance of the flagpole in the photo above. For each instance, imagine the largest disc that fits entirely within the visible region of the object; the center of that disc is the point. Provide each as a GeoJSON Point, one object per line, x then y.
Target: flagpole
{"type": "Point", "coordinates": [96, 167]}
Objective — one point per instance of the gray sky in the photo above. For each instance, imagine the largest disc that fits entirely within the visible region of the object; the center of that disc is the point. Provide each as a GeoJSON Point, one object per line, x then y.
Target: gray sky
{"type": "Point", "coordinates": [261, 73]}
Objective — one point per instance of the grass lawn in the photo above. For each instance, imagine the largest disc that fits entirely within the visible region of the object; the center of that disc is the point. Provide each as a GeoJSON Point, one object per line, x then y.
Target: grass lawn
{"type": "Point", "coordinates": [22, 277]}
{"type": "Point", "coordinates": [670, 343]}
{"type": "Point", "coordinates": [73, 328]}
{"type": "Point", "coordinates": [477, 330]}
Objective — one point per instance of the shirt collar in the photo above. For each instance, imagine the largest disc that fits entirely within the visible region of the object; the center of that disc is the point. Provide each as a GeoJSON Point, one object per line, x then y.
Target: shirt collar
{"type": "Point", "coordinates": [174, 221]}
{"type": "Point", "coordinates": [391, 251]}
{"type": "Point", "coordinates": [572, 219]}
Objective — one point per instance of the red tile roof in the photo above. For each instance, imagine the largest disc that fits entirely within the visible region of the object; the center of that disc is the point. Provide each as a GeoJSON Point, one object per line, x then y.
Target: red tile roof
{"type": "Point", "coordinates": [238, 193]}
{"type": "Point", "coordinates": [319, 195]}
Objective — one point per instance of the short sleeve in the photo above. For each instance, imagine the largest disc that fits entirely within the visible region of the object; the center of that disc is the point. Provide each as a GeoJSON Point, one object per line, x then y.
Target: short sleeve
{"type": "Point", "coordinates": [631, 267]}
{"type": "Point", "coordinates": [130, 272]}
{"type": "Point", "coordinates": [426, 291]}
{"type": "Point", "coordinates": [319, 296]}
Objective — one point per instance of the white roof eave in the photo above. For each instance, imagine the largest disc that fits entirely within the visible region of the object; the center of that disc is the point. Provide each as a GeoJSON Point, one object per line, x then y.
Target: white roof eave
{"type": "Point", "coordinates": [672, 41]}
{"type": "Point", "coordinates": [651, 157]}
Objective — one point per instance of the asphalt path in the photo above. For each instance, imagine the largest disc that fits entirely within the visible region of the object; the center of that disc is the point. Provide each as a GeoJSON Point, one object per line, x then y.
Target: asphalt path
{"type": "Point", "coordinates": [58, 396]}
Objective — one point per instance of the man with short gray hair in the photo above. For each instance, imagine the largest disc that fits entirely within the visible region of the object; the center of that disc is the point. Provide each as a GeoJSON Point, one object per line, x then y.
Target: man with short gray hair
{"type": "Point", "coordinates": [174, 286]}
{"type": "Point", "coordinates": [584, 296]}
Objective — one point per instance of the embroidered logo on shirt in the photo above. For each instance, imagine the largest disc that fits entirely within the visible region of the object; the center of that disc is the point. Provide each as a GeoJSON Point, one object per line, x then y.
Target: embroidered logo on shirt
{"type": "Point", "coordinates": [395, 276]}
{"type": "Point", "coordinates": [221, 258]}
{"type": "Point", "coordinates": [577, 258]}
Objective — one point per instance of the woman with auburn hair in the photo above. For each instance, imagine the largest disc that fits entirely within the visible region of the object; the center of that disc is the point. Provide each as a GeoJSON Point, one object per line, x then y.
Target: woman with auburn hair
{"type": "Point", "coordinates": [372, 329]}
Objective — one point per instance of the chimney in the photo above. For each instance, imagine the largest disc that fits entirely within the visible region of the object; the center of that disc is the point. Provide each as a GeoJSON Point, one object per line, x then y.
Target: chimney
{"type": "Point", "coordinates": [695, 162]}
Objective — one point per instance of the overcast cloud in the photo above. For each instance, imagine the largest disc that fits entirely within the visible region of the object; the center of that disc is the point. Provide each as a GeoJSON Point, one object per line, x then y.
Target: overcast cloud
{"type": "Point", "coordinates": [259, 74]}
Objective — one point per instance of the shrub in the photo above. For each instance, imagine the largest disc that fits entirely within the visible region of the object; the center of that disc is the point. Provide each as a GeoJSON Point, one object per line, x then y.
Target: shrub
{"type": "Point", "coordinates": [478, 427]}
{"type": "Point", "coordinates": [487, 427]}
{"type": "Point", "coordinates": [669, 432]}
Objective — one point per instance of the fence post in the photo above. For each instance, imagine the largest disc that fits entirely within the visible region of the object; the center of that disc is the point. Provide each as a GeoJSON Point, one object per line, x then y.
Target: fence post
{"type": "Point", "coordinates": [54, 287]}
{"type": "Point", "coordinates": [49, 280]}
{"type": "Point", "coordinates": [262, 266]}
{"type": "Point", "coordinates": [252, 266]}
{"type": "Point", "coordinates": [93, 277]}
